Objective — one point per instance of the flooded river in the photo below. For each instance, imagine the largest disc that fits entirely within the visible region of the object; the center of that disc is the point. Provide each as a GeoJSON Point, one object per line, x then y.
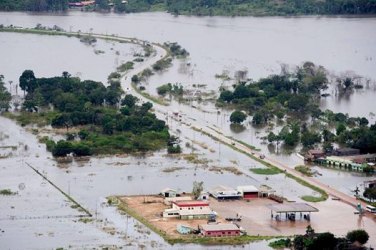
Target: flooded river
{"type": "Point", "coordinates": [216, 44]}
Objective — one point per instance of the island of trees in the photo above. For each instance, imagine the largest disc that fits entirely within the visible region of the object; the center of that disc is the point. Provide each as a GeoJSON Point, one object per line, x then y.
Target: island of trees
{"type": "Point", "coordinates": [293, 97]}
{"type": "Point", "coordinates": [105, 121]}
{"type": "Point", "coordinates": [207, 7]}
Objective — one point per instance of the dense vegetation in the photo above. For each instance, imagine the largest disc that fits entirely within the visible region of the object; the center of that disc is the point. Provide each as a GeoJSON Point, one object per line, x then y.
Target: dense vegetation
{"type": "Point", "coordinates": [173, 89]}
{"type": "Point", "coordinates": [5, 96]}
{"type": "Point", "coordinates": [108, 123]}
{"type": "Point", "coordinates": [312, 241]}
{"type": "Point", "coordinates": [209, 7]}
{"type": "Point", "coordinates": [34, 5]}
{"type": "Point", "coordinates": [250, 7]}
{"type": "Point", "coordinates": [293, 97]}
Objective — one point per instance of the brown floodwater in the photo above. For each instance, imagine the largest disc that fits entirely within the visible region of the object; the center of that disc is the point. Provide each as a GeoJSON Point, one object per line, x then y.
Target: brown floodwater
{"type": "Point", "coordinates": [216, 44]}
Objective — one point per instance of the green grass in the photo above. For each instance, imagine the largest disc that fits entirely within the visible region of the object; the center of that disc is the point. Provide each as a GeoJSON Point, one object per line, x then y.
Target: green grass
{"type": "Point", "coordinates": [265, 171]}
{"type": "Point", "coordinates": [280, 244]}
{"type": "Point", "coordinates": [304, 170]}
{"type": "Point", "coordinates": [310, 198]}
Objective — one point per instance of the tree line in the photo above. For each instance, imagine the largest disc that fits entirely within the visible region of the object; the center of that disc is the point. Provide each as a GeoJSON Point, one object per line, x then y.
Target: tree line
{"type": "Point", "coordinates": [311, 240]}
{"type": "Point", "coordinates": [209, 7]}
{"type": "Point", "coordinates": [34, 5]}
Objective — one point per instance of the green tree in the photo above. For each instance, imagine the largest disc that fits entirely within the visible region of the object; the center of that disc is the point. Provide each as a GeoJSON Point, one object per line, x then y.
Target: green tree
{"type": "Point", "coordinates": [370, 193]}
{"type": "Point", "coordinates": [28, 81]}
{"type": "Point", "coordinates": [237, 117]}
{"type": "Point", "coordinates": [129, 100]}
{"type": "Point", "coordinates": [5, 96]}
{"type": "Point", "coordinates": [359, 235]}
{"type": "Point", "coordinates": [340, 128]}
{"type": "Point", "coordinates": [198, 187]}
{"type": "Point", "coordinates": [226, 96]}
{"type": "Point", "coordinates": [308, 138]}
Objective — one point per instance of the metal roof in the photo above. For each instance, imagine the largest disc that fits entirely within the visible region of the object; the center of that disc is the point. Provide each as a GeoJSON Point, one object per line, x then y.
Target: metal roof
{"type": "Point", "coordinates": [219, 227]}
{"type": "Point", "coordinates": [203, 211]}
{"type": "Point", "coordinates": [249, 188]}
{"type": "Point", "coordinates": [191, 203]}
{"type": "Point", "coordinates": [292, 207]}
{"type": "Point", "coordinates": [221, 188]}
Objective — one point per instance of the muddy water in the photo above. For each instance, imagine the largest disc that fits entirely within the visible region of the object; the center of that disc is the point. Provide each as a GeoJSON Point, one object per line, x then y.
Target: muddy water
{"type": "Point", "coordinates": [88, 181]}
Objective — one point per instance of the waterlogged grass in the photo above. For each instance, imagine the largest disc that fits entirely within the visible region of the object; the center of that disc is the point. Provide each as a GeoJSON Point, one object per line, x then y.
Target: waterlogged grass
{"type": "Point", "coordinates": [304, 170]}
{"type": "Point", "coordinates": [26, 118]}
{"type": "Point", "coordinates": [323, 195]}
{"type": "Point", "coordinates": [265, 171]}
{"type": "Point", "coordinates": [280, 244]}
{"type": "Point", "coordinates": [148, 96]}
{"type": "Point", "coordinates": [244, 144]}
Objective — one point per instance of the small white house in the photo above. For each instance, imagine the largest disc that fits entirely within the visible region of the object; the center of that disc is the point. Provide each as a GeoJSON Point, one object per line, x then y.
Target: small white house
{"type": "Point", "coordinates": [188, 210]}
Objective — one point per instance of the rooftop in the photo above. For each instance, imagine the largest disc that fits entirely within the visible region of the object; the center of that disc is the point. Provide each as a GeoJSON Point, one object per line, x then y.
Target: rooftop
{"type": "Point", "coordinates": [222, 188]}
{"type": "Point", "coordinates": [203, 211]}
{"type": "Point", "coordinates": [248, 188]}
{"type": "Point", "coordinates": [219, 227]}
{"type": "Point", "coordinates": [191, 203]}
{"type": "Point", "coordinates": [292, 208]}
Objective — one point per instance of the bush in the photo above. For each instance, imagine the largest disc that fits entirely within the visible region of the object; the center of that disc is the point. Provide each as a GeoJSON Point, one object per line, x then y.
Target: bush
{"type": "Point", "coordinates": [81, 149]}
{"type": "Point", "coordinates": [62, 148]}
{"type": "Point", "coordinates": [174, 149]}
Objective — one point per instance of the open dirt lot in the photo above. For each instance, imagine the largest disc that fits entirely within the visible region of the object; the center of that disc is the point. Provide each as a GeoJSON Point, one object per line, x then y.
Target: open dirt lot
{"type": "Point", "coordinates": [256, 219]}
{"type": "Point", "coordinates": [151, 207]}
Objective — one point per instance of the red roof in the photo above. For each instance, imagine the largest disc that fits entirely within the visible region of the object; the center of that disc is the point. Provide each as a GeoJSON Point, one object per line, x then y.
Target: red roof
{"type": "Point", "coordinates": [191, 203]}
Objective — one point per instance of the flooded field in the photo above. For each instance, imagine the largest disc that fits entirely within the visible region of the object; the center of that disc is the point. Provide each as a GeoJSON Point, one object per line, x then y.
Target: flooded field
{"type": "Point", "coordinates": [44, 218]}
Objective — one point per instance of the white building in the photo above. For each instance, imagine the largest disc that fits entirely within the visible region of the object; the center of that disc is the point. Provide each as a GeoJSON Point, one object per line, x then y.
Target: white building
{"type": "Point", "coordinates": [188, 210]}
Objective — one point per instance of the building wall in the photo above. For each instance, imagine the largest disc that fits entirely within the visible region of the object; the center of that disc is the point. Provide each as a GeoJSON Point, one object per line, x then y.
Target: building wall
{"type": "Point", "coordinates": [194, 217]}
{"type": "Point", "coordinates": [221, 233]}
{"type": "Point", "coordinates": [195, 208]}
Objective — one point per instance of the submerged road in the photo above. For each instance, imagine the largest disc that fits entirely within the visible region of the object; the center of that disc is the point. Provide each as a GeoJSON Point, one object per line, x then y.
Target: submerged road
{"type": "Point", "coordinates": [189, 121]}
{"type": "Point", "coordinates": [161, 110]}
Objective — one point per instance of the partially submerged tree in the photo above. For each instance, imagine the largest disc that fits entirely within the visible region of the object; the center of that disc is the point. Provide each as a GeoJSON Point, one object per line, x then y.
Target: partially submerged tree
{"type": "Point", "coordinates": [198, 187]}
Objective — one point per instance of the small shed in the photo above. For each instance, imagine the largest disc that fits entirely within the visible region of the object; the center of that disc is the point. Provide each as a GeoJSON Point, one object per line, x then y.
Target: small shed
{"type": "Point", "coordinates": [168, 192]}
{"type": "Point", "coordinates": [219, 230]}
{"type": "Point", "coordinates": [248, 192]}
{"type": "Point", "coordinates": [204, 196]}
